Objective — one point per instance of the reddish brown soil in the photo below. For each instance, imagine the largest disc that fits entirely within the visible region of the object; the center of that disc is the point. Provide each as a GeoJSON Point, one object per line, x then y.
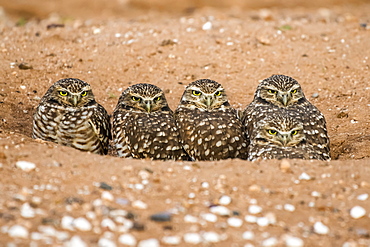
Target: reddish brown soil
{"type": "Point", "coordinates": [325, 49]}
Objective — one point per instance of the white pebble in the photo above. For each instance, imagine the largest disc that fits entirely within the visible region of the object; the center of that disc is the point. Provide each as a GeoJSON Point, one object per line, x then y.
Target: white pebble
{"type": "Point", "coordinates": [25, 165]}
{"type": "Point", "coordinates": [190, 218]}
{"type": "Point", "coordinates": [248, 235]}
{"type": "Point", "coordinates": [152, 242]}
{"type": "Point", "coordinates": [262, 221]}
{"type": "Point", "coordinates": [224, 200]}
{"type": "Point", "coordinates": [104, 242]}
{"type": "Point", "coordinates": [320, 228]}
{"type": "Point", "coordinates": [254, 209]}
{"type": "Point", "coordinates": [304, 176]}
{"type": "Point", "coordinates": [171, 240]}
{"type": "Point", "coordinates": [271, 217]}
{"type": "Point", "coordinates": [363, 197]}
{"type": "Point", "coordinates": [234, 222]}
{"type": "Point", "coordinates": [205, 185]}
{"type": "Point", "coordinates": [127, 239]}
{"type": "Point", "coordinates": [269, 242]}
{"type": "Point", "coordinates": [294, 242]}
{"type": "Point", "coordinates": [82, 224]}
{"type": "Point", "coordinates": [27, 211]}
{"type": "Point", "coordinates": [289, 207]}
{"type": "Point", "coordinates": [211, 237]}
{"type": "Point", "coordinates": [357, 212]}
{"type": "Point", "coordinates": [220, 210]}
{"type": "Point", "coordinates": [250, 218]}
{"type": "Point", "coordinates": [207, 25]}
{"type": "Point", "coordinates": [139, 205]}
{"type": "Point", "coordinates": [75, 241]}
{"type": "Point", "coordinates": [108, 223]}
{"type": "Point", "coordinates": [67, 223]}
{"type": "Point", "coordinates": [315, 194]}
{"type": "Point", "coordinates": [105, 195]}
{"type": "Point", "coordinates": [18, 231]}
{"type": "Point", "coordinates": [192, 238]}
{"type": "Point", "coordinates": [209, 217]}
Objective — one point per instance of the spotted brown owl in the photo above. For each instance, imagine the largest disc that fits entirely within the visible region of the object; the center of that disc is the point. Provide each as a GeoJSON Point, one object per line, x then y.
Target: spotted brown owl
{"type": "Point", "coordinates": [209, 126]}
{"type": "Point", "coordinates": [69, 115]}
{"type": "Point", "coordinates": [144, 126]}
{"type": "Point", "coordinates": [279, 136]}
{"type": "Point", "coordinates": [280, 94]}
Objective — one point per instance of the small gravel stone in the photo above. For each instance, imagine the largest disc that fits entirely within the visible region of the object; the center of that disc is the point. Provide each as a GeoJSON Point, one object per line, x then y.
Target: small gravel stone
{"type": "Point", "coordinates": [190, 218]}
{"type": "Point", "coordinates": [27, 211]}
{"type": "Point", "coordinates": [127, 239]}
{"type": "Point", "coordinates": [171, 240]}
{"type": "Point", "coordinates": [205, 185]}
{"type": "Point", "coordinates": [105, 186]}
{"type": "Point", "coordinates": [363, 197]}
{"type": "Point", "coordinates": [18, 231]}
{"type": "Point", "coordinates": [139, 205]}
{"type": "Point", "coordinates": [289, 207]}
{"type": "Point", "coordinates": [161, 217]}
{"type": "Point", "coordinates": [315, 194]}
{"type": "Point", "coordinates": [104, 242]}
{"type": "Point", "coordinates": [248, 235]}
{"type": "Point", "coordinates": [357, 212]}
{"type": "Point", "coordinates": [105, 195]}
{"type": "Point", "coordinates": [207, 26]}
{"type": "Point", "coordinates": [152, 242]}
{"type": "Point", "coordinates": [76, 241]}
{"type": "Point", "coordinates": [234, 222]}
{"type": "Point", "coordinates": [108, 223]}
{"type": "Point", "coordinates": [220, 210]}
{"type": "Point", "coordinates": [254, 209]}
{"type": "Point", "coordinates": [192, 238]}
{"type": "Point", "coordinates": [67, 223]}
{"type": "Point", "coordinates": [25, 165]}
{"type": "Point", "coordinates": [320, 228]}
{"type": "Point", "coordinates": [315, 95]}
{"type": "Point", "coordinates": [262, 221]}
{"type": "Point", "coordinates": [250, 218]}
{"type": "Point", "coordinates": [269, 242]}
{"type": "Point", "coordinates": [82, 224]}
{"type": "Point", "coordinates": [293, 242]}
{"type": "Point", "coordinates": [224, 200]}
{"type": "Point", "coordinates": [211, 237]}
{"type": "Point", "coordinates": [209, 217]}
{"type": "Point", "coordinates": [304, 176]}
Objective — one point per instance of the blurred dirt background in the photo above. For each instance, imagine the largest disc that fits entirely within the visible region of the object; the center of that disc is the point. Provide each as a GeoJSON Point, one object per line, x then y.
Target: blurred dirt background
{"type": "Point", "coordinates": [113, 44]}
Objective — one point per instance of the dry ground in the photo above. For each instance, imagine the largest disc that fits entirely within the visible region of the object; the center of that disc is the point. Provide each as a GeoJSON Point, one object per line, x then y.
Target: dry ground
{"type": "Point", "coordinates": [325, 49]}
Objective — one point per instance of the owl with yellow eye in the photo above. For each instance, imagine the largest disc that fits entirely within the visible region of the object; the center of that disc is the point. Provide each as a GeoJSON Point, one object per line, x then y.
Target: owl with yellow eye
{"type": "Point", "coordinates": [208, 125]}
{"type": "Point", "coordinates": [69, 115]}
{"type": "Point", "coordinates": [279, 96]}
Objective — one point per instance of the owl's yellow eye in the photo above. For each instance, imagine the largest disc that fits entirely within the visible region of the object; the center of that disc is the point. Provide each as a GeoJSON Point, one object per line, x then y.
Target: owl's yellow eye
{"type": "Point", "coordinates": [157, 98]}
{"type": "Point", "coordinates": [272, 132]}
{"type": "Point", "coordinates": [84, 93]}
{"type": "Point", "coordinates": [294, 132]}
{"type": "Point", "coordinates": [63, 93]}
{"type": "Point", "coordinates": [134, 98]}
{"type": "Point", "coordinates": [293, 91]}
{"type": "Point", "coordinates": [218, 93]}
{"type": "Point", "coordinates": [196, 93]}
{"type": "Point", "coordinates": [272, 91]}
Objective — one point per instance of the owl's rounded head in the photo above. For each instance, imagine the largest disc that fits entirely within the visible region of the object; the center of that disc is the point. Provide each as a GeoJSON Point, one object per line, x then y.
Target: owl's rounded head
{"type": "Point", "coordinates": [205, 94]}
{"type": "Point", "coordinates": [144, 97]}
{"type": "Point", "coordinates": [279, 130]}
{"type": "Point", "coordinates": [280, 90]}
{"type": "Point", "coordinates": [70, 92]}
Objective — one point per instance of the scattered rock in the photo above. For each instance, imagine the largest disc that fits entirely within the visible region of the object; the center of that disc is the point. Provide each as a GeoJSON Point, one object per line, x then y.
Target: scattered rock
{"type": "Point", "coordinates": [25, 165]}
{"type": "Point", "coordinates": [357, 212]}
{"type": "Point", "coordinates": [24, 66]}
{"type": "Point", "coordinates": [220, 210]}
{"type": "Point", "coordinates": [152, 242]}
{"type": "Point", "coordinates": [234, 222]}
{"type": "Point", "coordinates": [18, 231]}
{"type": "Point", "coordinates": [254, 209]}
{"type": "Point", "coordinates": [211, 237]}
{"type": "Point", "coordinates": [171, 240]}
{"type": "Point", "coordinates": [192, 238]}
{"type": "Point", "coordinates": [127, 239]}
{"type": "Point", "coordinates": [224, 200]}
{"type": "Point", "coordinates": [207, 26]}
{"type": "Point", "coordinates": [161, 217]}
{"type": "Point", "coordinates": [82, 224]}
{"type": "Point", "coordinates": [105, 186]}
{"type": "Point", "coordinates": [248, 235]}
{"type": "Point", "coordinates": [269, 242]}
{"type": "Point", "coordinates": [320, 228]}
{"type": "Point", "coordinates": [293, 242]}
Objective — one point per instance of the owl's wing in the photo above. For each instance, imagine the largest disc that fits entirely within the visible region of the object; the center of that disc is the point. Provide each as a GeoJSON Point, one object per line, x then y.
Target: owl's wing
{"type": "Point", "coordinates": [100, 120]}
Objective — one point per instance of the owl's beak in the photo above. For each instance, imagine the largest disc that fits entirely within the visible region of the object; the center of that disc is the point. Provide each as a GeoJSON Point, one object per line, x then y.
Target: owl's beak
{"type": "Point", "coordinates": [75, 99]}
{"type": "Point", "coordinates": [285, 98]}
{"type": "Point", "coordinates": [209, 101]}
{"type": "Point", "coordinates": [148, 105]}
{"type": "Point", "coordinates": [285, 138]}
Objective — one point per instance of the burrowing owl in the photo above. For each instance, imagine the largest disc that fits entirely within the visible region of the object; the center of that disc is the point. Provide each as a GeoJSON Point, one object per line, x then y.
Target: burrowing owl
{"type": "Point", "coordinates": [280, 94]}
{"type": "Point", "coordinates": [279, 136]}
{"type": "Point", "coordinates": [69, 115]}
{"type": "Point", "coordinates": [208, 125]}
{"type": "Point", "coordinates": [144, 126]}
